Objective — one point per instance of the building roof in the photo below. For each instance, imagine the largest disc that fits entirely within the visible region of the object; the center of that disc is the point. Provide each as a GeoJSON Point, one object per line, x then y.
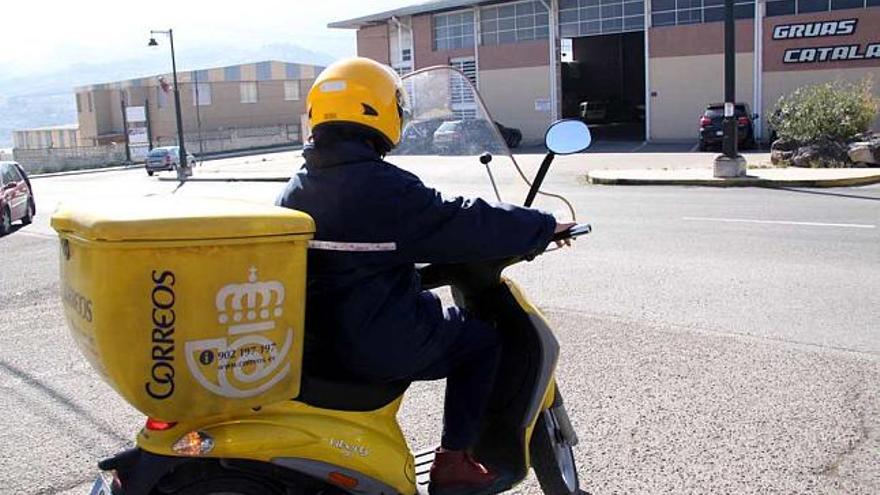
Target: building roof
{"type": "Point", "coordinates": [419, 8]}
{"type": "Point", "coordinates": [187, 76]}
{"type": "Point", "coordinates": [64, 127]}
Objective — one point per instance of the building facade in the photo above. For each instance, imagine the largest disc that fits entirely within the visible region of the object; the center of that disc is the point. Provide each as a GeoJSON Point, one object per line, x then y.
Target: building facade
{"type": "Point", "coordinates": [63, 136]}
{"type": "Point", "coordinates": [651, 66]}
{"type": "Point", "coordinates": [236, 102]}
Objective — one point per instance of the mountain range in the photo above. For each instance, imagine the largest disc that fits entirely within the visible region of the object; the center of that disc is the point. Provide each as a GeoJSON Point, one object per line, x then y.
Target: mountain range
{"type": "Point", "coordinates": [47, 99]}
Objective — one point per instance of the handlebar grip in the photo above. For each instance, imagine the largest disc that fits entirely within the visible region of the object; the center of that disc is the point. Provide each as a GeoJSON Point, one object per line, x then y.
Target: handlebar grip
{"type": "Point", "coordinates": [576, 231]}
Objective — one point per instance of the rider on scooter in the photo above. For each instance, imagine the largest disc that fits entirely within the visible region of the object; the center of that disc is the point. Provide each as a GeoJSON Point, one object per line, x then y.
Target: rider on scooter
{"type": "Point", "coordinates": [366, 307]}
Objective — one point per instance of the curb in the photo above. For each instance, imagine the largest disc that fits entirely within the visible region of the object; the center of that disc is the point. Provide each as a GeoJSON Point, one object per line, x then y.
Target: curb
{"type": "Point", "coordinates": [738, 182]}
{"type": "Point", "coordinates": [84, 171]}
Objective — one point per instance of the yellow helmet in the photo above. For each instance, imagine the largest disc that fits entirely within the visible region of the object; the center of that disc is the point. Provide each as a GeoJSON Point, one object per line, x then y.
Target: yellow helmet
{"type": "Point", "coordinates": [362, 92]}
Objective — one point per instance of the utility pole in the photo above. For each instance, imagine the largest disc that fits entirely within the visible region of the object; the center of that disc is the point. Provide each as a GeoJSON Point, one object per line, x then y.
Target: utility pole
{"type": "Point", "coordinates": [730, 163]}
{"type": "Point", "coordinates": [183, 170]}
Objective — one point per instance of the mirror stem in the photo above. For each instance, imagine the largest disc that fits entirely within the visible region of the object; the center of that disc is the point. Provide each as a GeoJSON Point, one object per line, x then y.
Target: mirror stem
{"type": "Point", "coordinates": [539, 179]}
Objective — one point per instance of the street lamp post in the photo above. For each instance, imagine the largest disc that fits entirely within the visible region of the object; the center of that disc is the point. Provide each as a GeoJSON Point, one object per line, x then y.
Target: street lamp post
{"type": "Point", "coordinates": [183, 170]}
{"type": "Point", "coordinates": [730, 163]}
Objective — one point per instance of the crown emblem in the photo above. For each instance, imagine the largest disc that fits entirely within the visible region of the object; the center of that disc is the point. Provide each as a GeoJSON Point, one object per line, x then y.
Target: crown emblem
{"type": "Point", "coordinates": [252, 306]}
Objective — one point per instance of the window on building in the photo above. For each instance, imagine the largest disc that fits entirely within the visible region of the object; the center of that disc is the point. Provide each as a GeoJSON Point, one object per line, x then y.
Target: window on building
{"type": "Point", "coordinates": [232, 73]}
{"type": "Point", "coordinates": [592, 17]}
{"type": "Point", "coordinates": [91, 103]}
{"type": "Point", "coordinates": [454, 30]}
{"type": "Point", "coordinates": [79, 107]}
{"type": "Point", "coordinates": [291, 90]}
{"type": "Point", "coordinates": [680, 12]}
{"type": "Point", "coordinates": [248, 92]}
{"type": "Point", "coordinates": [264, 71]}
{"type": "Point", "coordinates": [511, 23]}
{"type": "Point", "coordinates": [847, 4]}
{"type": "Point", "coordinates": [789, 7]}
{"type": "Point", "coordinates": [406, 55]}
{"type": "Point", "coordinates": [201, 93]}
{"type": "Point", "coordinates": [403, 68]}
{"type": "Point", "coordinates": [462, 97]}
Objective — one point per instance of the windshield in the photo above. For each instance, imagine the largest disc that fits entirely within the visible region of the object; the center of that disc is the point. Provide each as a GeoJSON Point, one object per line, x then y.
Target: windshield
{"type": "Point", "coordinates": [448, 129]}
{"type": "Point", "coordinates": [159, 152]}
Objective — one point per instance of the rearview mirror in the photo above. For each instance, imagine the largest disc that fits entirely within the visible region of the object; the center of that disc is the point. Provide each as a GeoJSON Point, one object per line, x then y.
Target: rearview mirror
{"type": "Point", "coordinates": [568, 136]}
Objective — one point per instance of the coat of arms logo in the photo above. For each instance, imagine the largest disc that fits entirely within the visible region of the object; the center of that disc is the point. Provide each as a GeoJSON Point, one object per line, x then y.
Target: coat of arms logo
{"type": "Point", "coordinates": [247, 362]}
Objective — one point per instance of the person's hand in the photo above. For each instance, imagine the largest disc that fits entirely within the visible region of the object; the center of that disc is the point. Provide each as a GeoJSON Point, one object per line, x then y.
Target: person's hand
{"type": "Point", "coordinates": [560, 228]}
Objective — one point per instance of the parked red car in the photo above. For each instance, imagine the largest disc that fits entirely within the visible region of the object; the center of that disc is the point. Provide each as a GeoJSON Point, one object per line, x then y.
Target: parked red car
{"type": "Point", "coordinates": [16, 197]}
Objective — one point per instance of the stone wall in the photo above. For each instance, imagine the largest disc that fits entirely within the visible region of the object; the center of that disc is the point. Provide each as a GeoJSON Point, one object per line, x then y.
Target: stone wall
{"type": "Point", "coordinates": [61, 159]}
{"type": "Point", "coordinates": [237, 139]}
{"type": "Point", "coordinates": [208, 143]}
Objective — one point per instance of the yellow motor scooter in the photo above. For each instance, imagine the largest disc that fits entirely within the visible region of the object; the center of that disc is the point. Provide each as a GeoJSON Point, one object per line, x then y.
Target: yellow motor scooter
{"type": "Point", "coordinates": [193, 311]}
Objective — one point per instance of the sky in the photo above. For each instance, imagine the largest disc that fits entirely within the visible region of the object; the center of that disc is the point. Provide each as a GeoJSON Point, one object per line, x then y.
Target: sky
{"type": "Point", "coordinates": [40, 36]}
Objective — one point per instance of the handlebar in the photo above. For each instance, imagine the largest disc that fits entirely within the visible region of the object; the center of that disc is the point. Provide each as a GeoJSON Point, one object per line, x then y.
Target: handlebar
{"type": "Point", "coordinates": [576, 231]}
{"type": "Point", "coordinates": [486, 272]}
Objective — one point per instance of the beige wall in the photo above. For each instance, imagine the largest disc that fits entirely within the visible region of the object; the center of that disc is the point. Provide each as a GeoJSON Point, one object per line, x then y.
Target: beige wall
{"type": "Point", "coordinates": [513, 105]}
{"type": "Point", "coordinates": [226, 109]}
{"type": "Point", "coordinates": [777, 84]}
{"type": "Point", "coordinates": [683, 87]}
{"type": "Point", "coordinates": [87, 123]}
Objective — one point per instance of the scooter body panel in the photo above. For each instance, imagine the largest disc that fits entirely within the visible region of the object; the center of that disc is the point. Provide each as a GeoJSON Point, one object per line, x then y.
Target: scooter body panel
{"type": "Point", "coordinates": [368, 446]}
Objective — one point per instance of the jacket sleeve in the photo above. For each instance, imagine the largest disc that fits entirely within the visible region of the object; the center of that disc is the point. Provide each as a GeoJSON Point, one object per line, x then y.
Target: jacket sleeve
{"type": "Point", "coordinates": [435, 229]}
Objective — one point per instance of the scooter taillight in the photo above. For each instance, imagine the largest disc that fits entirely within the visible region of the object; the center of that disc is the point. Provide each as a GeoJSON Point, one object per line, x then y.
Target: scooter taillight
{"type": "Point", "coordinates": [342, 480]}
{"type": "Point", "coordinates": [157, 425]}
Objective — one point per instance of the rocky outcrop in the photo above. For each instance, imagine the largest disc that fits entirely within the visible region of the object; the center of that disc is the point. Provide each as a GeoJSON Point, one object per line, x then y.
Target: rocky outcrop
{"type": "Point", "coordinates": [782, 151]}
{"type": "Point", "coordinates": [863, 151]}
{"type": "Point", "coordinates": [866, 151]}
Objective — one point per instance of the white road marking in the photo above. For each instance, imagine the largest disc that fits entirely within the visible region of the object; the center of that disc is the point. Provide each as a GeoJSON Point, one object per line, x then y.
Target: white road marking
{"type": "Point", "coordinates": [695, 148]}
{"type": "Point", "coordinates": [782, 222]}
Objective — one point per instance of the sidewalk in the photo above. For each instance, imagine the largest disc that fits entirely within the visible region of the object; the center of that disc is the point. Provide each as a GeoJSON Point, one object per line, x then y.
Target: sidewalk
{"type": "Point", "coordinates": [756, 177]}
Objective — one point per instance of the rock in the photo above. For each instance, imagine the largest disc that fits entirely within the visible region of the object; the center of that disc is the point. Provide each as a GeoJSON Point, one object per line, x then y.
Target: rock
{"type": "Point", "coordinates": [781, 157]}
{"type": "Point", "coordinates": [865, 152]}
{"type": "Point", "coordinates": [782, 151]}
{"type": "Point", "coordinates": [783, 144]}
{"type": "Point", "coordinates": [824, 154]}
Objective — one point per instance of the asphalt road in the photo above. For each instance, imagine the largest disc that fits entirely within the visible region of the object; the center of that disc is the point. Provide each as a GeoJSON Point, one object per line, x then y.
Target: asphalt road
{"type": "Point", "coordinates": [714, 341]}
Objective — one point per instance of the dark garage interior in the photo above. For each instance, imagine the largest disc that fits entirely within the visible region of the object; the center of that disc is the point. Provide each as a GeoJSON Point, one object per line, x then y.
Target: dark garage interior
{"type": "Point", "coordinates": [605, 85]}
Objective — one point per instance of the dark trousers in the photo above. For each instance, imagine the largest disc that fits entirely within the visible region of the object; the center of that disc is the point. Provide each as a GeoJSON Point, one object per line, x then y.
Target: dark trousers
{"type": "Point", "coordinates": [469, 366]}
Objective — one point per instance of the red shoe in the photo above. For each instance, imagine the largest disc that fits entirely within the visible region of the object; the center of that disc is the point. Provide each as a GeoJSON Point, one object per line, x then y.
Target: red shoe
{"type": "Point", "coordinates": [455, 472]}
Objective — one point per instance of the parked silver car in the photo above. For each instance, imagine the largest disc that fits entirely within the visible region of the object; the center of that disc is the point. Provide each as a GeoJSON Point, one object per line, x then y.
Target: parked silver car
{"type": "Point", "coordinates": [166, 158]}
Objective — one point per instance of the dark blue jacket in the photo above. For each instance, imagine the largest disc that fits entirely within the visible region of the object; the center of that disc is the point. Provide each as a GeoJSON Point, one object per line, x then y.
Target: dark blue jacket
{"type": "Point", "coordinates": [364, 300]}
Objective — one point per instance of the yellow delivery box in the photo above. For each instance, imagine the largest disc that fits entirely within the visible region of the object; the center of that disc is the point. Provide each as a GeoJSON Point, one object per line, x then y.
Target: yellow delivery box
{"type": "Point", "coordinates": [187, 307]}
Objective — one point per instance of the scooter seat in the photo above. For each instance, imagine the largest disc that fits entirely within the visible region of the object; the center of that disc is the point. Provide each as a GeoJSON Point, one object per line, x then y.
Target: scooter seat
{"type": "Point", "coordinates": [348, 395]}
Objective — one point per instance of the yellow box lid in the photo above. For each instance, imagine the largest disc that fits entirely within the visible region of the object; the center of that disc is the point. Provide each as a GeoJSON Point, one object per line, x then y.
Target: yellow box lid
{"type": "Point", "coordinates": [172, 218]}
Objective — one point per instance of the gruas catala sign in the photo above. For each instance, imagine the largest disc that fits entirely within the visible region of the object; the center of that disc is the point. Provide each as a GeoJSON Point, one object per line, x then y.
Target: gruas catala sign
{"type": "Point", "coordinates": [828, 53]}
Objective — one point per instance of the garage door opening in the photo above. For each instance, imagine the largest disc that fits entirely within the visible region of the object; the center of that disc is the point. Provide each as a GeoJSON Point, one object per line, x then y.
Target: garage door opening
{"type": "Point", "coordinates": [604, 85]}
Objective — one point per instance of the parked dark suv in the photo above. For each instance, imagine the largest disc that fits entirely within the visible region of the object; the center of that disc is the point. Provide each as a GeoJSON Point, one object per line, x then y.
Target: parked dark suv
{"type": "Point", "coordinates": [16, 197]}
{"type": "Point", "coordinates": [711, 129]}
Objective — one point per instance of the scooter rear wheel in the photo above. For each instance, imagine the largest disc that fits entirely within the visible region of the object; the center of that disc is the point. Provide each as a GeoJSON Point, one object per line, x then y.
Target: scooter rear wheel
{"type": "Point", "coordinates": [552, 457]}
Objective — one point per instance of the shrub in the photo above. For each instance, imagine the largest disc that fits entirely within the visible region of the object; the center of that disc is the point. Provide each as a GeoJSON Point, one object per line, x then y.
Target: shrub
{"type": "Point", "coordinates": [834, 111]}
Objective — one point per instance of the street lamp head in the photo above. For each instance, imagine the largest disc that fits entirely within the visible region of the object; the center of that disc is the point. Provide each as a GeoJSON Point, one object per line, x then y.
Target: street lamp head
{"type": "Point", "coordinates": [153, 42]}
